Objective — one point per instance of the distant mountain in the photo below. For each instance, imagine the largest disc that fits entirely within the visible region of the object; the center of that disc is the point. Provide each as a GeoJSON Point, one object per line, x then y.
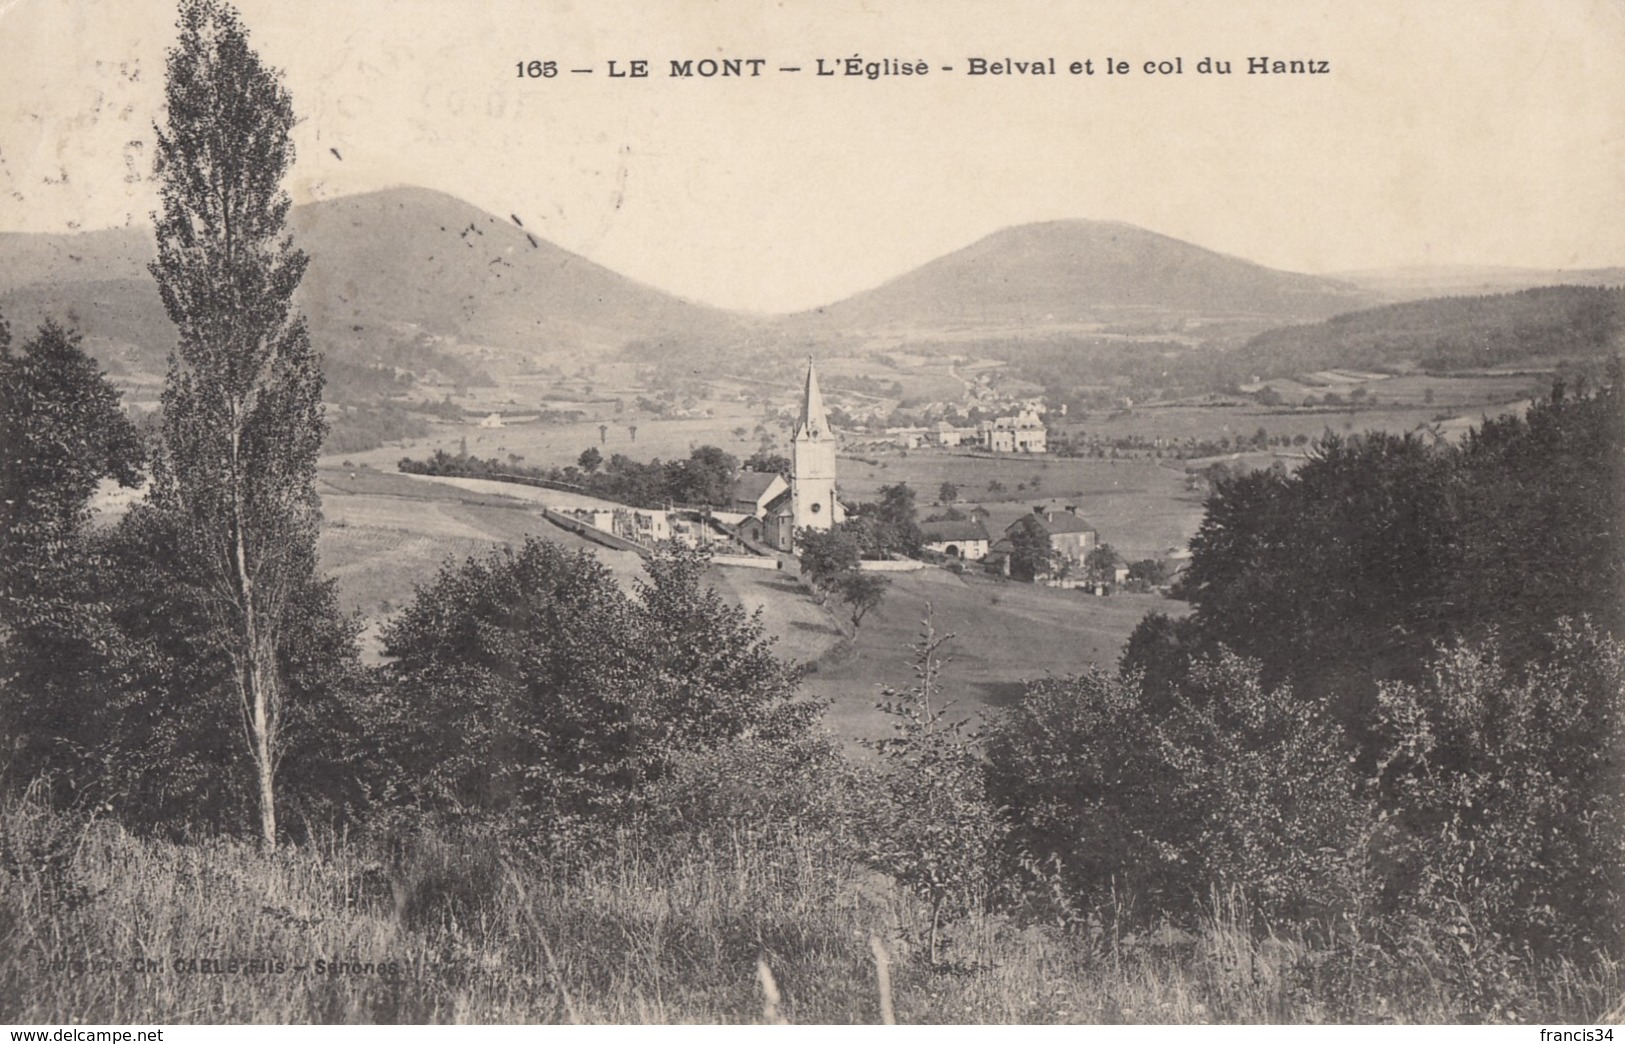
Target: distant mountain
{"type": "Point", "coordinates": [385, 267]}
{"type": "Point", "coordinates": [1409, 284]}
{"type": "Point", "coordinates": [1069, 272]}
{"type": "Point", "coordinates": [416, 279]}
{"type": "Point", "coordinates": [422, 257]}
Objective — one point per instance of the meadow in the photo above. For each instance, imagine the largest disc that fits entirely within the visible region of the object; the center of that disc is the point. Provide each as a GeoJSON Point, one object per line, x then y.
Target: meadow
{"type": "Point", "coordinates": [385, 533]}
{"type": "Point", "coordinates": [1004, 634]}
{"type": "Point", "coordinates": [753, 924]}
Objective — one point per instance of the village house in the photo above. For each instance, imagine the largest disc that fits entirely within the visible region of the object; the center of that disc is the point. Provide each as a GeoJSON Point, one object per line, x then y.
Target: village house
{"type": "Point", "coordinates": [948, 436]}
{"type": "Point", "coordinates": [1022, 433]}
{"type": "Point", "coordinates": [1069, 535]}
{"type": "Point", "coordinates": [965, 539]}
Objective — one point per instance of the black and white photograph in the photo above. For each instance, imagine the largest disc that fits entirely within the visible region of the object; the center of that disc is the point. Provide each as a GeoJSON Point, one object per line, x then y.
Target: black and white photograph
{"type": "Point", "coordinates": [522, 512]}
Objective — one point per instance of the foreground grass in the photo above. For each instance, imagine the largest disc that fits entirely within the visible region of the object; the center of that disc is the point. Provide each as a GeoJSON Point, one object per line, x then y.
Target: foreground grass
{"type": "Point", "coordinates": [98, 926]}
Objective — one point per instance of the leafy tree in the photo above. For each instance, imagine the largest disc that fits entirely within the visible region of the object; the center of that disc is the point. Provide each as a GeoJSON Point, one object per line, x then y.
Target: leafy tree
{"type": "Point", "coordinates": [1032, 553]}
{"type": "Point", "coordinates": [827, 555]}
{"type": "Point", "coordinates": [1073, 765]}
{"type": "Point", "coordinates": [590, 459]}
{"type": "Point", "coordinates": [61, 432]}
{"type": "Point", "coordinates": [159, 722]}
{"type": "Point", "coordinates": [1508, 794]}
{"type": "Point", "coordinates": [527, 684]}
{"type": "Point", "coordinates": [1349, 572]}
{"type": "Point", "coordinates": [1266, 799]}
{"type": "Point", "coordinates": [768, 463]}
{"type": "Point", "coordinates": [1226, 785]}
{"type": "Point", "coordinates": [1545, 487]}
{"type": "Point", "coordinates": [1100, 565]}
{"type": "Point", "coordinates": [706, 477]}
{"type": "Point", "coordinates": [947, 493]}
{"type": "Point", "coordinates": [242, 404]}
{"type": "Point", "coordinates": [1159, 652]}
{"type": "Point", "coordinates": [860, 592]}
{"type": "Point", "coordinates": [890, 525]}
{"type": "Point", "coordinates": [1151, 572]}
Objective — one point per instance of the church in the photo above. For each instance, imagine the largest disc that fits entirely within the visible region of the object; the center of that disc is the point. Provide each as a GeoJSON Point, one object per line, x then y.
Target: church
{"type": "Point", "coordinates": [808, 500]}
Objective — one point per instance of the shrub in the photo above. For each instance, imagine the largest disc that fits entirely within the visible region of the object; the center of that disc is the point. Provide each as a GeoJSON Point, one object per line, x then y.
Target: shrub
{"type": "Point", "coordinates": [1229, 787]}
{"type": "Point", "coordinates": [1073, 766]}
{"type": "Point", "coordinates": [1263, 797]}
{"type": "Point", "coordinates": [1508, 796]}
{"type": "Point", "coordinates": [928, 821]}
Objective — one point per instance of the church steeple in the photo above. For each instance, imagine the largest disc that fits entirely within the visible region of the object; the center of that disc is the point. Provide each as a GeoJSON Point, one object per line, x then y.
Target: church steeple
{"type": "Point", "coordinates": [814, 424]}
{"type": "Point", "coordinates": [812, 463]}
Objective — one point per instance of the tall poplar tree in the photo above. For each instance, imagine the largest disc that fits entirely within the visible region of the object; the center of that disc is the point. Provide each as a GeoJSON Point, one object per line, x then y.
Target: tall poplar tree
{"type": "Point", "coordinates": [242, 407]}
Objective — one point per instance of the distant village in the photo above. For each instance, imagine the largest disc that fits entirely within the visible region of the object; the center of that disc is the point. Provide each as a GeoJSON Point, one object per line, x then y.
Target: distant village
{"type": "Point", "coordinates": [768, 512]}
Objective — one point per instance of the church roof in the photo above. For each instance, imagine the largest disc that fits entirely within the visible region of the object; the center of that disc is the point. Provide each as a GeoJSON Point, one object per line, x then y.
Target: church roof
{"type": "Point", "coordinates": [813, 423]}
{"type": "Point", "coordinates": [752, 484]}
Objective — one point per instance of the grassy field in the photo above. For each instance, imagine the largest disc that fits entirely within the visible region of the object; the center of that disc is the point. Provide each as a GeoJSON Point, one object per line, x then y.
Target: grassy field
{"type": "Point", "coordinates": [384, 533]}
{"type": "Point", "coordinates": [1140, 507]}
{"type": "Point", "coordinates": [553, 443]}
{"type": "Point", "coordinates": [1005, 633]}
{"type": "Point", "coordinates": [107, 928]}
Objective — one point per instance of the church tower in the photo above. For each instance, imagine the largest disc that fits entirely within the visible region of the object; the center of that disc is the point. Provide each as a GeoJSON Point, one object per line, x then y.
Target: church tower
{"type": "Point", "coordinates": [812, 464]}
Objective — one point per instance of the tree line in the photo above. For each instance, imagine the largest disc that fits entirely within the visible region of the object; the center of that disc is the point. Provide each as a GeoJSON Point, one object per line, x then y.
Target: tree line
{"type": "Point", "coordinates": [705, 477]}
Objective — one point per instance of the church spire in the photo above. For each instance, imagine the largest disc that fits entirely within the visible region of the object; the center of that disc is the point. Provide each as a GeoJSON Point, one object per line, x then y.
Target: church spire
{"type": "Point", "coordinates": [814, 424]}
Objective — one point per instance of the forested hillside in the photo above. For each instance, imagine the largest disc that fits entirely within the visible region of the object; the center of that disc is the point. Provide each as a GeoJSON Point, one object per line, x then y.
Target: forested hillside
{"type": "Point", "coordinates": [1450, 333]}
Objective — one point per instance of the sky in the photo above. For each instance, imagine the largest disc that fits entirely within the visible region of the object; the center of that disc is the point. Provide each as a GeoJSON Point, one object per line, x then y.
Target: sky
{"type": "Point", "coordinates": [1488, 132]}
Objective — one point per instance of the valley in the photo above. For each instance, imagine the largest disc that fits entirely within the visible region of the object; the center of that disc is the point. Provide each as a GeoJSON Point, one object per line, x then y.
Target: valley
{"type": "Point", "coordinates": [1157, 365]}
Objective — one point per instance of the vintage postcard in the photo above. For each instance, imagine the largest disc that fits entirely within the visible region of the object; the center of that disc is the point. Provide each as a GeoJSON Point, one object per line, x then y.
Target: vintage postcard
{"type": "Point", "coordinates": [522, 511]}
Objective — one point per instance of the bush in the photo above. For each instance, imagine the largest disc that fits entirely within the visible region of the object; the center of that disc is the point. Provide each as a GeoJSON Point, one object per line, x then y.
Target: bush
{"type": "Point", "coordinates": [927, 820]}
{"type": "Point", "coordinates": [1229, 787]}
{"type": "Point", "coordinates": [1508, 796]}
{"type": "Point", "coordinates": [1263, 798]}
{"type": "Point", "coordinates": [1069, 766]}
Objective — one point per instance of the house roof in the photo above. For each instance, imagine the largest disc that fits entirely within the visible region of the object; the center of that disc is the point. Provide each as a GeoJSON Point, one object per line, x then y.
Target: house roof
{"type": "Point", "coordinates": [953, 529]}
{"type": "Point", "coordinates": [1055, 522]}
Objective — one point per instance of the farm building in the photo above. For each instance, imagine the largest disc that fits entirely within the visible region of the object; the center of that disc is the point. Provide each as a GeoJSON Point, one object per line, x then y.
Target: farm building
{"type": "Point", "coordinates": [967, 539]}
{"type": "Point", "coordinates": [1068, 534]}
